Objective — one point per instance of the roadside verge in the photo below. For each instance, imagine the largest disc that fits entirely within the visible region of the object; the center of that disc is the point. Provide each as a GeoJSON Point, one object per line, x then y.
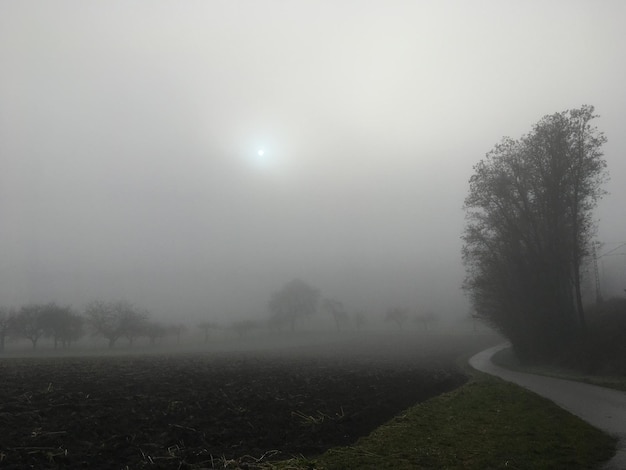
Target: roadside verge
{"type": "Point", "coordinates": [601, 407]}
{"type": "Point", "coordinates": [486, 423]}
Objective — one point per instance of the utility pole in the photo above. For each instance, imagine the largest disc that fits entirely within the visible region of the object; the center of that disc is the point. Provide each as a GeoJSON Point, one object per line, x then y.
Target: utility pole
{"type": "Point", "coordinates": [595, 265]}
{"type": "Point", "coordinates": [597, 275]}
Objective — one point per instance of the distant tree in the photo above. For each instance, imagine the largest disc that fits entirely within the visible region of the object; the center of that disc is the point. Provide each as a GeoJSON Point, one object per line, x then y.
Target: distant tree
{"type": "Point", "coordinates": [104, 319]}
{"type": "Point", "coordinates": [243, 327]}
{"type": "Point", "coordinates": [206, 327]}
{"type": "Point", "coordinates": [276, 323]}
{"type": "Point", "coordinates": [335, 308]}
{"type": "Point", "coordinates": [530, 226]}
{"type": "Point", "coordinates": [295, 300]}
{"type": "Point", "coordinates": [359, 320]}
{"type": "Point", "coordinates": [74, 330]}
{"type": "Point", "coordinates": [62, 324]}
{"type": "Point", "coordinates": [177, 329]}
{"type": "Point", "coordinates": [397, 315]}
{"type": "Point", "coordinates": [7, 318]}
{"type": "Point", "coordinates": [134, 324]}
{"type": "Point", "coordinates": [154, 330]}
{"type": "Point", "coordinates": [426, 319]}
{"type": "Point", "coordinates": [113, 320]}
{"type": "Point", "coordinates": [29, 323]}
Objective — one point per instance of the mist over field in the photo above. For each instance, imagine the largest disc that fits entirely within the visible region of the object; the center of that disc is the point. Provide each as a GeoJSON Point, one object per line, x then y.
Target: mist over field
{"type": "Point", "coordinates": [191, 158]}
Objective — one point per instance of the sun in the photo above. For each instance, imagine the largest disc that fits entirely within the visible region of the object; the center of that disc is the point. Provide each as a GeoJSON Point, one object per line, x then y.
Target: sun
{"type": "Point", "coordinates": [262, 158]}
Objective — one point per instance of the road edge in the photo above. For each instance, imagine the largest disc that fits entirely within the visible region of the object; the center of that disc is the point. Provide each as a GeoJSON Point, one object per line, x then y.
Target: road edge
{"type": "Point", "coordinates": [482, 362]}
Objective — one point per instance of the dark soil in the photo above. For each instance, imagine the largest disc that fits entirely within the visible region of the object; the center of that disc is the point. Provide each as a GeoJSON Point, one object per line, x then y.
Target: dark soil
{"type": "Point", "coordinates": [204, 409]}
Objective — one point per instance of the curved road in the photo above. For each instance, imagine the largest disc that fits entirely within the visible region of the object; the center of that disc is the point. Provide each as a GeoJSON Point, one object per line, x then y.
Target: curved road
{"type": "Point", "coordinates": [601, 407]}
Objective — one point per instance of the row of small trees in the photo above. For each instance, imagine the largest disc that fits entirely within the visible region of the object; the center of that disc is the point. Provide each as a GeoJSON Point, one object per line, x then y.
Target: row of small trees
{"type": "Point", "coordinates": [115, 320]}
{"type": "Point", "coordinates": [297, 299]}
{"type": "Point", "coordinates": [400, 316]}
{"type": "Point", "coordinates": [33, 322]}
{"type": "Point", "coordinates": [120, 319]}
{"type": "Point", "coordinates": [109, 320]}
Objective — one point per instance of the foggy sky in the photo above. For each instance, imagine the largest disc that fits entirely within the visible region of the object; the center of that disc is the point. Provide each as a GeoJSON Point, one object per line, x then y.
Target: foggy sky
{"type": "Point", "coordinates": [129, 133]}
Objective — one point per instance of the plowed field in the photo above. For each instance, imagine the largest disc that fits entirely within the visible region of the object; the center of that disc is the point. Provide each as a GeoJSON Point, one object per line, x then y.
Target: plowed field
{"type": "Point", "coordinates": [215, 408]}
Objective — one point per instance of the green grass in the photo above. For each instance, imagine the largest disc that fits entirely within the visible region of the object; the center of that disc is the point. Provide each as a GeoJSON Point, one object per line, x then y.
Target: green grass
{"type": "Point", "coordinates": [486, 424]}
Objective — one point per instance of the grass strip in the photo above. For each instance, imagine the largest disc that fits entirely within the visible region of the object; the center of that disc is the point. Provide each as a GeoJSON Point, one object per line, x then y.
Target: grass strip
{"type": "Point", "coordinates": [506, 358]}
{"type": "Point", "coordinates": [486, 424]}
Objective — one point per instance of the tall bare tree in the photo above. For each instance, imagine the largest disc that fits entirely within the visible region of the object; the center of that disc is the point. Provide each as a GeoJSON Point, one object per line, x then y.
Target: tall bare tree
{"type": "Point", "coordinates": [529, 228]}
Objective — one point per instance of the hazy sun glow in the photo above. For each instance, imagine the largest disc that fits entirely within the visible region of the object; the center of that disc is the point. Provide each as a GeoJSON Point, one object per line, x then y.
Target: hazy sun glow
{"type": "Point", "coordinates": [262, 159]}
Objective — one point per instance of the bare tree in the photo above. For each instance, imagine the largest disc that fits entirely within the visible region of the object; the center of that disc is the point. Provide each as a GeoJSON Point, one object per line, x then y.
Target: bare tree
{"type": "Point", "coordinates": [206, 327]}
{"type": "Point", "coordinates": [29, 323]}
{"type": "Point", "coordinates": [243, 327]}
{"type": "Point", "coordinates": [113, 320]}
{"type": "Point", "coordinates": [397, 315]}
{"type": "Point", "coordinates": [276, 323]}
{"type": "Point", "coordinates": [530, 226]}
{"type": "Point", "coordinates": [62, 324]}
{"type": "Point", "coordinates": [134, 323]}
{"type": "Point", "coordinates": [426, 319]}
{"type": "Point", "coordinates": [7, 318]}
{"type": "Point", "coordinates": [335, 308]}
{"type": "Point", "coordinates": [295, 300]}
{"type": "Point", "coordinates": [177, 329]}
{"type": "Point", "coordinates": [359, 320]}
{"type": "Point", "coordinates": [154, 330]}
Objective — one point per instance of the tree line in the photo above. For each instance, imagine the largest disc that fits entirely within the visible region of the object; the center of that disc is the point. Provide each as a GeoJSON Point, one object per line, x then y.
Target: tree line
{"type": "Point", "coordinates": [65, 326]}
{"type": "Point", "coordinates": [297, 299]}
{"type": "Point", "coordinates": [115, 320]}
{"type": "Point", "coordinates": [530, 231]}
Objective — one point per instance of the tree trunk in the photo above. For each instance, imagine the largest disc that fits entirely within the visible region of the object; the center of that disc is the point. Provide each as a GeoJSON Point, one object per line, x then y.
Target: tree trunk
{"type": "Point", "coordinates": [582, 322]}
